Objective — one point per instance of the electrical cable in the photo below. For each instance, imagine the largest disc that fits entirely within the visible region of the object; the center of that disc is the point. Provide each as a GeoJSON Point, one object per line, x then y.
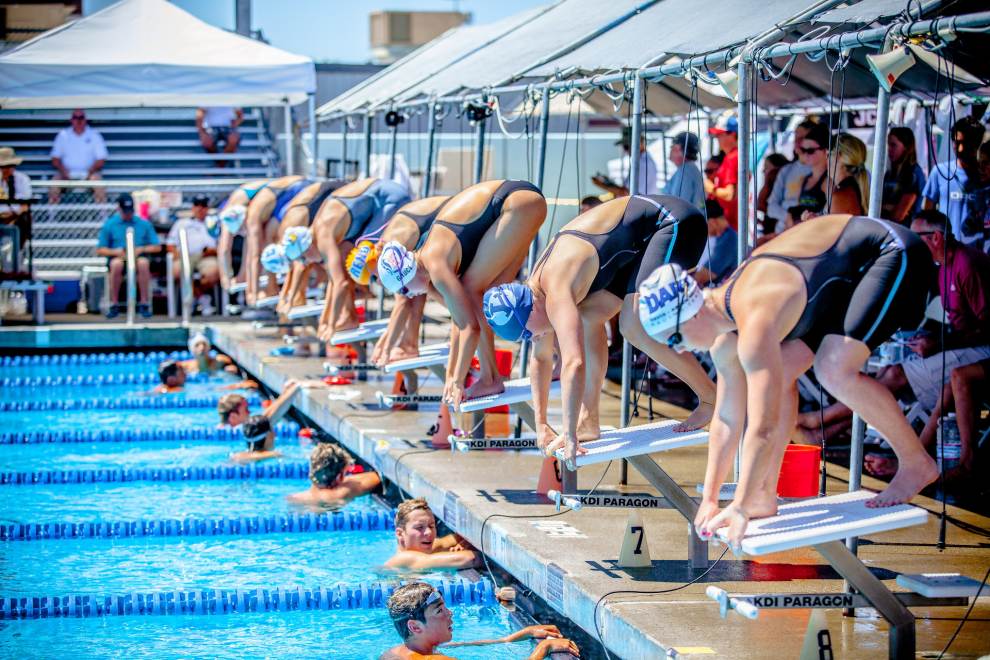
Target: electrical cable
{"type": "Point", "coordinates": [965, 616]}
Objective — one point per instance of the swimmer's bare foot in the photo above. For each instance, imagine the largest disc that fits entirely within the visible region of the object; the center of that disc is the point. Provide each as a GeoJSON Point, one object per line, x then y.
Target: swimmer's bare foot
{"type": "Point", "coordinates": [763, 505]}
{"type": "Point", "coordinates": [572, 449]}
{"type": "Point", "coordinates": [588, 428]}
{"type": "Point", "coordinates": [402, 353]}
{"type": "Point", "coordinates": [732, 517]}
{"type": "Point", "coordinates": [912, 476]}
{"type": "Point", "coordinates": [706, 511]}
{"type": "Point", "coordinates": [484, 387]}
{"type": "Point", "coordinates": [697, 419]}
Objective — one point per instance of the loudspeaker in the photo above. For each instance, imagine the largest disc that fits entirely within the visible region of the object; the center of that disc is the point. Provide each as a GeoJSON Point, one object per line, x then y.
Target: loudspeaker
{"type": "Point", "coordinates": [888, 67]}
{"type": "Point", "coordinates": [729, 82]}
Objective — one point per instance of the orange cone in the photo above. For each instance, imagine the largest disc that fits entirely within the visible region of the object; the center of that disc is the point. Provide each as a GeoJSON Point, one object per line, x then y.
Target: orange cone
{"type": "Point", "coordinates": [444, 429]}
{"type": "Point", "coordinates": [549, 477]}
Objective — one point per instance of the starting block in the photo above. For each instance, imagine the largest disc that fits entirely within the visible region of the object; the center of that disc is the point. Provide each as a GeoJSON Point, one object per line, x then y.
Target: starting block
{"type": "Point", "coordinates": [432, 357]}
{"type": "Point", "coordinates": [635, 444]}
{"type": "Point", "coordinates": [364, 332]}
{"type": "Point", "coordinates": [517, 395]}
{"type": "Point", "coordinates": [267, 302]}
{"type": "Point", "coordinates": [238, 287]}
{"type": "Point", "coordinates": [463, 444]}
{"type": "Point", "coordinates": [305, 311]}
{"type": "Point", "coordinates": [823, 523]}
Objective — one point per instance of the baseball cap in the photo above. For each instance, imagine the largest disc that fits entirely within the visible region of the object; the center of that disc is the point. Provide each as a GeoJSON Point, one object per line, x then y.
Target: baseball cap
{"type": "Point", "coordinates": [396, 266]}
{"type": "Point", "coordinates": [201, 200]}
{"type": "Point", "coordinates": [726, 123]}
{"type": "Point", "coordinates": [507, 308]}
{"type": "Point", "coordinates": [125, 202]}
{"type": "Point", "coordinates": [667, 297]}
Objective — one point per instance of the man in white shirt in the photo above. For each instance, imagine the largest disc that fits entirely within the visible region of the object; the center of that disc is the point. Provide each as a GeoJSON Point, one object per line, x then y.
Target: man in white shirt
{"type": "Point", "coordinates": [219, 124]}
{"type": "Point", "coordinates": [202, 251]}
{"type": "Point", "coordinates": [647, 169]}
{"type": "Point", "coordinates": [79, 154]}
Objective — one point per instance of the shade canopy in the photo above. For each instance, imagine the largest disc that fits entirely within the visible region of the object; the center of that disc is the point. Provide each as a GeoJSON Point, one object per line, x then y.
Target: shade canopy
{"type": "Point", "coordinates": [149, 53]}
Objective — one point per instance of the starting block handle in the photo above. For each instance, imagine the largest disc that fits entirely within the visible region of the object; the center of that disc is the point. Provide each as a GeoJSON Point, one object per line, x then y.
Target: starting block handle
{"type": "Point", "coordinates": [572, 503]}
{"type": "Point", "coordinates": [726, 603]}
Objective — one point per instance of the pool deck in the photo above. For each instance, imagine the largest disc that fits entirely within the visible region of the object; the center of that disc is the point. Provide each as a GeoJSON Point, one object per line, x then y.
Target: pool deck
{"type": "Point", "coordinates": [570, 560]}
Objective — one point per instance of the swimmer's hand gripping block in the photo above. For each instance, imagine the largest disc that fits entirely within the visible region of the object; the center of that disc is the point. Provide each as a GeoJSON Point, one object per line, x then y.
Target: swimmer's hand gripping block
{"type": "Point", "coordinates": [516, 391]}
{"type": "Point", "coordinates": [306, 311]}
{"type": "Point", "coordinates": [636, 441]}
{"type": "Point", "coordinates": [429, 356]}
{"type": "Point", "coordinates": [824, 519]}
{"type": "Point", "coordinates": [364, 332]}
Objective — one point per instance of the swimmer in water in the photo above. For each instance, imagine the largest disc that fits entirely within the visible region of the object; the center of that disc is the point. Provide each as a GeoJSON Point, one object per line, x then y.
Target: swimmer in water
{"type": "Point", "coordinates": [588, 273]}
{"type": "Point", "coordinates": [234, 411]}
{"type": "Point", "coordinates": [480, 239]}
{"type": "Point", "coordinates": [424, 623]}
{"type": "Point", "coordinates": [260, 439]}
{"type": "Point", "coordinates": [331, 484]}
{"type": "Point", "coordinates": [825, 292]}
{"type": "Point", "coordinates": [203, 362]}
{"type": "Point", "coordinates": [420, 549]}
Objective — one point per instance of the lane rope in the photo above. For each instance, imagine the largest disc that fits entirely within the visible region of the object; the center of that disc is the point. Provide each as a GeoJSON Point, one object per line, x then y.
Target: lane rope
{"type": "Point", "coordinates": [92, 358]}
{"type": "Point", "coordinates": [155, 402]}
{"type": "Point", "coordinates": [96, 380]}
{"type": "Point", "coordinates": [175, 474]}
{"type": "Point", "coordinates": [284, 429]}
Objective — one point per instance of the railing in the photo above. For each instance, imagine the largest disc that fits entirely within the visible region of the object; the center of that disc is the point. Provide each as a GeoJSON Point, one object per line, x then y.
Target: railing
{"type": "Point", "coordinates": [131, 275]}
{"type": "Point", "coordinates": [187, 283]}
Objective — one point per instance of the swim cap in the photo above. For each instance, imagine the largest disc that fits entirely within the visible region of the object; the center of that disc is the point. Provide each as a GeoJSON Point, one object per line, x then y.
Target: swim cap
{"type": "Point", "coordinates": [507, 308]}
{"type": "Point", "coordinates": [255, 431]}
{"type": "Point", "coordinates": [232, 217]}
{"type": "Point", "coordinates": [326, 463]}
{"type": "Point", "coordinates": [296, 241]}
{"type": "Point", "coordinates": [273, 259]}
{"type": "Point", "coordinates": [212, 223]}
{"type": "Point", "coordinates": [396, 266]}
{"type": "Point", "coordinates": [361, 262]}
{"type": "Point", "coordinates": [665, 291]}
{"type": "Point", "coordinates": [197, 338]}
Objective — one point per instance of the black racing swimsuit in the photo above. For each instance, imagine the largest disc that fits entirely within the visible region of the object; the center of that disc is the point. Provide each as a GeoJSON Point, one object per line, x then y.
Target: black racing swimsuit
{"type": "Point", "coordinates": [424, 221]}
{"type": "Point", "coordinates": [876, 271]}
{"type": "Point", "coordinates": [470, 235]}
{"type": "Point", "coordinates": [654, 230]}
{"type": "Point", "coordinates": [325, 190]}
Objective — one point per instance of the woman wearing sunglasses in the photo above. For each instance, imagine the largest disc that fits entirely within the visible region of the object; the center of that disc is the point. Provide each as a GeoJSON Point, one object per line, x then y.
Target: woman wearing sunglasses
{"type": "Point", "coordinates": [588, 273]}
{"type": "Point", "coordinates": [826, 292]}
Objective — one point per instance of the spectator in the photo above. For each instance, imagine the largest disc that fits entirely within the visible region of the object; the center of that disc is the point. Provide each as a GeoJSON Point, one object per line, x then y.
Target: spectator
{"type": "Point", "coordinates": [219, 124]}
{"type": "Point", "coordinates": [647, 169]}
{"type": "Point", "coordinates": [772, 166]}
{"type": "Point", "coordinates": [904, 180]}
{"type": "Point", "coordinates": [813, 150]}
{"type": "Point", "coordinates": [14, 185]}
{"type": "Point", "coordinates": [202, 251]}
{"type": "Point", "coordinates": [851, 190]}
{"type": "Point", "coordinates": [112, 244]}
{"type": "Point", "coordinates": [588, 203]}
{"type": "Point", "coordinates": [983, 162]}
{"type": "Point", "coordinates": [686, 182]}
{"type": "Point", "coordinates": [711, 168]}
{"type": "Point", "coordinates": [723, 189]}
{"type": "Point", "coordinates": [787, 186]}
{"type": "Point", "coordinates": [79, 154]}
{"type": "Point", "coordinates": [719, 258]}
{"type": "Point", "coordinates": [954, 189]}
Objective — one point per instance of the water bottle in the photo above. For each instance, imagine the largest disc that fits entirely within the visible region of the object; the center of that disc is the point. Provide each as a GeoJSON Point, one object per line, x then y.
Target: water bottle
{"type": "Point", "coordinates": [949, 446]}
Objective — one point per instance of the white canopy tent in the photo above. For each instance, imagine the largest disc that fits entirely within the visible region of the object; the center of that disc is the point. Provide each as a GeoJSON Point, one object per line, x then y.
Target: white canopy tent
{"type": "Point", "coordinates": [149, 53]}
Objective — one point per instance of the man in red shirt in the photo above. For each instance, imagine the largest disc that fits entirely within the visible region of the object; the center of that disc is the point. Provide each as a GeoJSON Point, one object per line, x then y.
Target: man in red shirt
{"type": "Point", "coordinates": [724, 188]}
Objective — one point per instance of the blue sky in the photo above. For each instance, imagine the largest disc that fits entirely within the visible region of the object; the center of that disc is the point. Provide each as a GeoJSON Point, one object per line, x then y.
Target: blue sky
{"type": "Point", "coordinates": [330, 30]}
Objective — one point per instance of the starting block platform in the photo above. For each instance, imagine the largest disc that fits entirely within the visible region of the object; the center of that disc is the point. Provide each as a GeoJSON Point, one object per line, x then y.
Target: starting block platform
{"type": "Point", "coordinates": [239, 287]}
{"type": "Point", "coordinates": [517, 395]}
{"type": "Point", "coordinates": [306, 311]}
{"type": "Point", "coordinates": [364, 332]}
{"type": "Point", "coordinates": [267, 302]}
{"type": "Point", "coordinates": [434, 355]}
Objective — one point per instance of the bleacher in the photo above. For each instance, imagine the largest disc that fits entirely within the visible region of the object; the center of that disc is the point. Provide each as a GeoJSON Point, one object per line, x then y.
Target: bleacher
{"type": "Point", "coordinates": [144, 143]}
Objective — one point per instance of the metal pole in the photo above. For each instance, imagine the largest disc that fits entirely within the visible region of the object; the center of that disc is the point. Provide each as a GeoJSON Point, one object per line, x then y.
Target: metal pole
{"type": "Point", "coordinates": [343, 148]}
{"type": "Point", "coordinates": [742, 187]}
{"type": "Point", "coordinates": [314, 171]}
{"type": "Point", "coordinates": [393, 145]}
{"type": "Point", "coordinates": [131, 274]}
{"type": "Point", "coordinates": [242, 19]}
{"type": "Point", "coordinates": [663, 145]}
{"type": "Point", "coordinates": [431, 134]}
{"type": "Point", "coordinates": [187, 284]}
{"type": "Point", "coordinates": [170, 284]}
{"type": "Point", "coordinates": [290, 158]}
{"type": "Point", "coordinates": [369, 121]}
{"type": "Point", "coordinates": [479, 154]}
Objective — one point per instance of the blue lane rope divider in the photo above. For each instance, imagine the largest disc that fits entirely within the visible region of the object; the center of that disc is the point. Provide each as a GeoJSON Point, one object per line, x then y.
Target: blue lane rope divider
{"type": "Point", "coordinates": [92, 358]}
{"type": "Point", "coordinates": [336, 521]}
{"type": "Point", "coordinates": [95, 380]}
{"type": "Point", "coordinates": [284, 429]}
{"type": "Point", "coordinates": [120, 475]}
{"type": "Point", "coordinates": [129, 403]}
{"type": "Point", "coordinates": [373, 595]}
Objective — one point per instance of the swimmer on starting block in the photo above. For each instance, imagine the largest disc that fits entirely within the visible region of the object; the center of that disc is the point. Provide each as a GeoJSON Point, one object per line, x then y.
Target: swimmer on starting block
{"type": "Point", "coordinates": [356, 209]}
{"type": "Point", "coordinates": [332, 486]}
{"type": "Point", "coordinates": [480, 239]}
{"type": "Point", "coordinates": [590, 271]}
{"type": "Point", "coordinates": [260, 438]}
{"type": "Point", "coordinates": [825, 292]}
{"type": "Point", "coordinates": [232, 212]}
{"type": "Point", "coordinates": [423, 621]}
{"type": "Point", "coordinates": [408, 227]}
{"type": "Point", "coordinates": [419, 547]}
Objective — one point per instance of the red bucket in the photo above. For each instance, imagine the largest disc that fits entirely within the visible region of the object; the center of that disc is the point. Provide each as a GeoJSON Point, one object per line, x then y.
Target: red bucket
{"type": "Point", "coordinates": [799, 471]}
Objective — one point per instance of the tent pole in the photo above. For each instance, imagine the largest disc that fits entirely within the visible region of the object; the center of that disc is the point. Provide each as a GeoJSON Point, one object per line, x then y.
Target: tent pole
{"type": "Point", "coordinates": [742, 186]}
{"type": "Point", "coordinates": [314, 171]}
{"type": "Point", "coordinates": [541, 162]}
{"type": "Point", "coordinates": [290, 159]}
{"type": "Point", "coordinates": [479, 154]}
{"type": "Point", "coordinates": [369, 120]}
{"type": "Point", "coordinates": [431, 133]}
{"type": "Point", "coordinates": [343, 148]}
{"type": "Point", "coordinates": [634, 173]}
{"type": "Point", "coordinates": [393, 145]}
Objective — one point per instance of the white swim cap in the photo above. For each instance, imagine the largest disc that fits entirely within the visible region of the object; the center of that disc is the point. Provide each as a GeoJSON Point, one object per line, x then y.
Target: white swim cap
{"type": "Point", "coordinates": [197, 338]}
{"type": "Point", "coordinates": [396, 266]}
{"type": "Point", "coordinates": [212, 223]}
{"type": "Point", "coordinates": [273, 259]}
{"type": "Point", "coordinates": [662, 294]}
{"type": "Point", "coordinates": [296, 241]}
{"type": "Point", "coordinates": [232, 217]}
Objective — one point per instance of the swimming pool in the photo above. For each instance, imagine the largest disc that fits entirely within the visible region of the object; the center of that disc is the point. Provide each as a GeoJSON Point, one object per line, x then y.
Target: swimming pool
{"type": "Point", "coordinates": [60, 569]}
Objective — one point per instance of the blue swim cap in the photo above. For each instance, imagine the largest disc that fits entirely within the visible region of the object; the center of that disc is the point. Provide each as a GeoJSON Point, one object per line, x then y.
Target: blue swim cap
{"type": "Point", "coordinates": [507, 308]}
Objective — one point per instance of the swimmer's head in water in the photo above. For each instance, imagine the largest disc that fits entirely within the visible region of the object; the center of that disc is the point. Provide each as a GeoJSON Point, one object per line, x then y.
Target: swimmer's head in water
{"type": "Point", "coordinates": [233, 409]}
{"type": "Point", "coordinates": [362, 261]}
{"type": "Point", "coordinates": [396, 267]}
{"type": "Point", "coordinates": [418, 611]}
{"type": "Point", "coordinates": [327, 463]}
{"type": "Point", "coordinates": [213, 226]}
{"type": "Point", "coordinates": [233, 216]}
{"type": "Point", "coordinates": [415, 525]}
{"type": "Point", "coordinates": [667, 299]}
{"type": "Point", "coordinates": [171, 373]}
{"type": "Point", "coordinates": [507, 308]}
{"type": "Point", "coordinates": [256, 431]}
{"type": "Point", "coordinates": [296, 241]}
{"type": "Point", "coordinates": [199, 344]}
{"type": "Point", "coordinates": [273, 259]}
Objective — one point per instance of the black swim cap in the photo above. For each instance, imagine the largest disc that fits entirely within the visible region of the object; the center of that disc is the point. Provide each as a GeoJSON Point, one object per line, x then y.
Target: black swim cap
{"type": "Point", "coordinates": [168, 369]}
{"type": "Point", "coordinates": [255, 431]}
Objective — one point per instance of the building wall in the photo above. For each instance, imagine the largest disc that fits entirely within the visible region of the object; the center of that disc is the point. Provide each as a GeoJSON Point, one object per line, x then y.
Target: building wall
{"type": "Point", "coordinates": [394, 34]}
